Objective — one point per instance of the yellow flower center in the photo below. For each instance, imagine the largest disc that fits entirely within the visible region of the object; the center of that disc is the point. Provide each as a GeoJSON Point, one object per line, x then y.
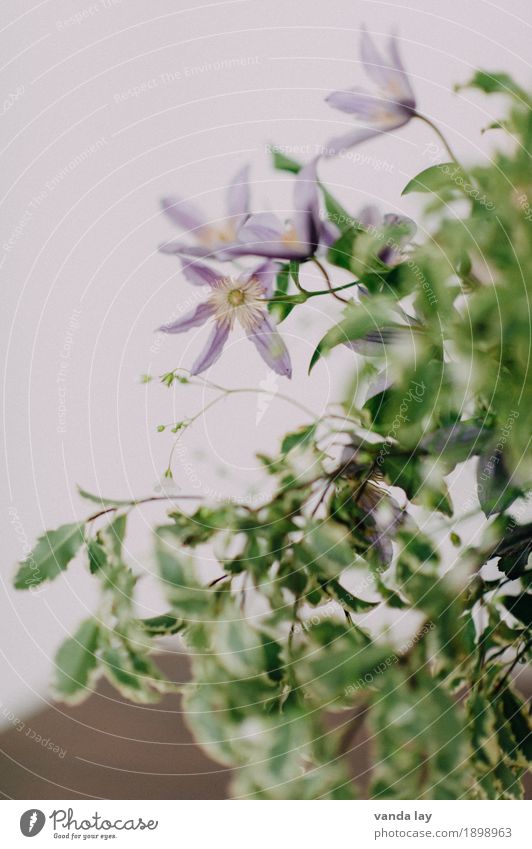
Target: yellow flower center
{"type": "Point", "coordinates": [236, 297]}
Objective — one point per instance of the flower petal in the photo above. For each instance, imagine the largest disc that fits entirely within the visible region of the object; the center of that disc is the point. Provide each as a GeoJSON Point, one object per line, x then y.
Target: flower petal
{"type": "Point", "coordinates": [262, 235]}
{"type": "Point", "coordinates": [200, 275]}
{"type": "Point", "coordinates": [385, 113]}
{"type": "Point", "coordinates": [356, 101]}
{"type": "Point", "coordinates": [307, 220]}
{"type": "Point", "coordinates": [183, 213]}
{"type": "Point", "coordinates": [213, 348]}
{"type": "Point", "coordinates": [369, 216]}
{"type": "Point", "coordinates": [407, 92]}
{"type": "Point", "coordinates": [192, 319]}
{"type": "Point", "coordinates": [386, 71]}
{"type": "Point", "coordinates": [377, 66]}
{"type": "Point", "coordinates": [238, 194]}
{"type": "Point", "coordinates": [342, 143]}
{"type": "Point", "coordinates": [261, 227]}
{"type": "Point", "coordinates": [181, 249]}
{"type": "Point", "coordinates": [271, 347]}
{"type": "Point", "coordinates": [266, 274]}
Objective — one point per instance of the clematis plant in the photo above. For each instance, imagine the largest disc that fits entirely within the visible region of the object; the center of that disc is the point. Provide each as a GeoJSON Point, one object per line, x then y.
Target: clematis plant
{"type": "Point", "coordinates": [392, 105]}
{"type": "Point", "coordinates": [208, 237]}
{"type": "Point", "coordinates": [350, 602]}
{"type": "Point", "coordinates": [243, 300]}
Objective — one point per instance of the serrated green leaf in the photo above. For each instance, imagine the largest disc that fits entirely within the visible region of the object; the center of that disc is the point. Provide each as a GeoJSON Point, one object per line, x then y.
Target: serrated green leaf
{"type": "Point", "coordinates": [161, 626]}
{"type": "Point", "coordinates": [496, 82]}
{"type": "Point", "coordinates": [52, 554]}
{"type": "Point", "coordinates": [76, 662]}
{"type": "Point", "coordinates": [298, 438]}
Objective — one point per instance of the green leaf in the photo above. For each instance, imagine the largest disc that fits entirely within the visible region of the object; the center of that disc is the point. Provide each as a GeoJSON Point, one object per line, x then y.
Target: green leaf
{"type": "Point", "coordinates": [52, 554]}
{"type": "Point", "coordinates": [103, 502]}
{"type": "Point", "coordinates": [437, 178]}
{"type": "Point", "coordinates": [341, 252]}
{"type": "Point", "coordinates": [161, 626]}
{"type": "Point", "coordinates": [133, 675]}
{"type": "Point", "coordinates": [298, 438]}
{"type": "Point", "coordinates": [359, 319]}
{"type": "Point", "coordinates": [494, 487]}
{"type": "Point", "coordinates": [284, 163]}
{"type": "Point", "coordinates": [188, 598]}
{"type": "Point", "coordinates": [520, 606]}
{"type": "Point", "coordinates": [496, 82]}
{"type": "Point", "coordinates": [281, 308]}
{"type": "Point", "coordinates": [76, 662]}
{"type": "Point", "coordinates": [348, 601]}
{"type": "Point", "coordinates": [326, 549]}
{"type": "Point", "coordinates": [519, 720]}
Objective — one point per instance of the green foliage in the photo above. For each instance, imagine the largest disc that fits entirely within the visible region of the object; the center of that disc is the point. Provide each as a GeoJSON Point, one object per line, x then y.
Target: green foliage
{"type": "Point", "coordinates": [76, 662]}
{"type": "Point", "coordinates": [51, 556]}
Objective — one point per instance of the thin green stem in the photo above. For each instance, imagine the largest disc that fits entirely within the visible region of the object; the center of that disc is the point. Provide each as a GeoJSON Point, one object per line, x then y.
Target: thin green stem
{"type": "Point", "coordinates": [440, 135]}
{"type": "Point", "coordinates": [138, 501]}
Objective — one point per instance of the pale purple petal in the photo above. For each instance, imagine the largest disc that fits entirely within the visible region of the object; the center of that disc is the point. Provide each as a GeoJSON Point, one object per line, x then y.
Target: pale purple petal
{"type": "Point", "coordinates": [180, 249]}
{"type": "Point", "coordinates": [192, 319]}
{"type": "Point", "coordinates": [307, 220]}
{"type": "Point", "coordinates": [342, 143]}
{"type": "Point", "coordinates": [384, 113]}
{"type": "Point", "coordinates": [200, 275]}
{"type": "Point", "coordinates": [371, 345]}
{"type": "Point", "coordinates": [354, 101]}
{"type": "Point", "coordinates": [262, 235]}
{"type": "Point", "coordinates": [266, 274]}
{"type": "Point", "coordinates": [402, 77]}
{"type": "Point", "coordinates": [261, 227]}
{"type": "Point", "coordinates": [213, 348]}
{"type": "Point", "coordinates": [183, 213]}
{"type": "Point", "coordinates": [238, 194]}
{"type": "Point", "coordinates": [329, 234]}
{"type": "Point", "coordinates": [376, 65]}
{"type": "Point", "coordinates": [271, 347]}
{"type": "Point", "coordinates": [369, 216]}
{"type": "Point", "coordinates": [387, 71]}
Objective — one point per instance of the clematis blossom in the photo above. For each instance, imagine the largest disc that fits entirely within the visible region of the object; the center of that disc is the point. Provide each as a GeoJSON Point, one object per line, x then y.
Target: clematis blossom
{"type": "Point", "coordinates": [391, 106]}
{"type": "Point", "coordinates": [208, 237]}
{"type": "Point", "coordinates": [264, 234]}
{"type": "Point", "coordinates": [243, 300]}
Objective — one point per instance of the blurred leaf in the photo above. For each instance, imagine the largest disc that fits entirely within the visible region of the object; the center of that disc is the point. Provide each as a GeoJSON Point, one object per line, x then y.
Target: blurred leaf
{"type": "Point", "coordinates": [520, 606]}
{"type": "Point", "coordinates": [52, 554]}
{"type": "Point", "coordinates": [76, 662]}
{"type": "Point", "coordinates": [497, 82]}
{"type": "Point", "coordinates": [437, 178]}
{"type": "Point", "coordinates": [298, 438]}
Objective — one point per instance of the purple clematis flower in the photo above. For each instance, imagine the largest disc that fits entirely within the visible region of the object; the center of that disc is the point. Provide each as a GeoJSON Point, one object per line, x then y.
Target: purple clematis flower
{"type": "Point", "coordinates": [232, 299]}
{"type": "Point", "coordinates": [371, 219]}
{"type": "Point", "coordinates": [392, 106]}
{"type": "Point", "coordinates": [208, 237]}
{"type": "Point", "coordinates": [264, 234]}
{"type": "Point", "coordinates": [404, 230]}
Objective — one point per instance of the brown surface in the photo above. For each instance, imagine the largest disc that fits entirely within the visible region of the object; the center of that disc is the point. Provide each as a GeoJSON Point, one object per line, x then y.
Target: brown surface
{"type": "Point", "coordinates": [117, 750]}
{"type": "Point", "coordinates": [114, 750]}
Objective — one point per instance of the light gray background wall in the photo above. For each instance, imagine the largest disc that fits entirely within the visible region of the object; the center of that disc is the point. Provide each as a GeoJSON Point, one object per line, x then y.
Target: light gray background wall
{"type": "Point", "coordinates": [106, 106]}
